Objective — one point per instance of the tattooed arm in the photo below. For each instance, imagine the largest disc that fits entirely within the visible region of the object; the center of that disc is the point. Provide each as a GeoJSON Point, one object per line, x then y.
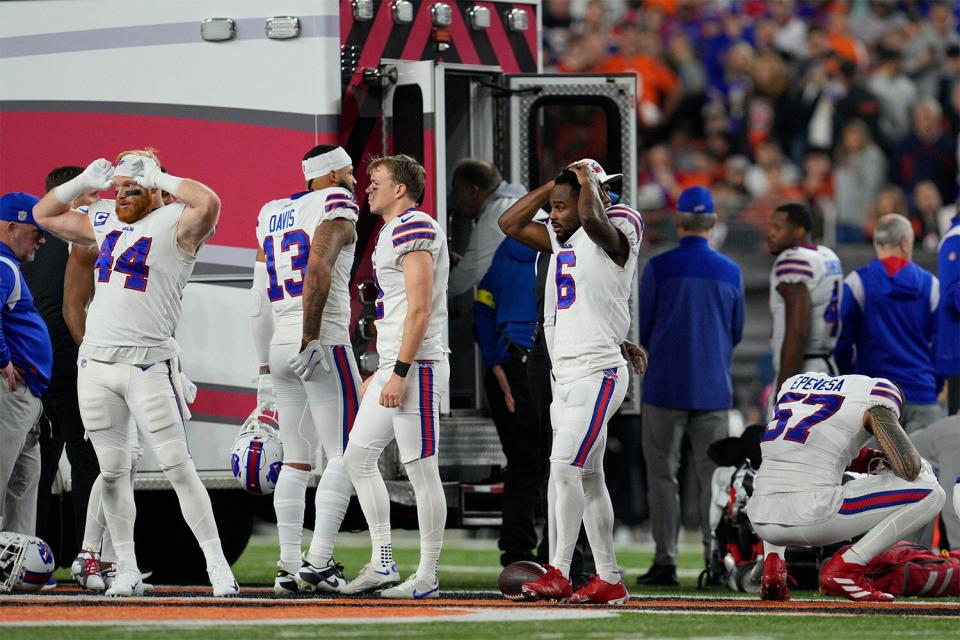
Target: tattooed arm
{"type": "Point", "coordinates": [331, 236]}
{"type": "Point", "coordinates": [900, 452]}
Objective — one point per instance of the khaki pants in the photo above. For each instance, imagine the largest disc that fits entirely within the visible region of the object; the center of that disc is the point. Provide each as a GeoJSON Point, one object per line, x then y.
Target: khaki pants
{"type": "Point", "coordinates": [19, 459]}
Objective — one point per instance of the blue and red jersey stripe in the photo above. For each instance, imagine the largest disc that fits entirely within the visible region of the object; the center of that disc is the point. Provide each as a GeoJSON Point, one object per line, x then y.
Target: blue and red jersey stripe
{"type": "Point", "coordinates": [348, 387]}
{"type": "Point", "coordinates": [597, 419]}
{"type": "Point", "coordinates": [882, 500]}
{"type": "Point", "coordinates": [428, 416]}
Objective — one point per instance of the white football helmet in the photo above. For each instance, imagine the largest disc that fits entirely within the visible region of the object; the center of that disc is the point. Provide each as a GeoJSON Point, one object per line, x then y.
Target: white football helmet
{"type": "Point", "coordinates": [26, 562]}
{"type": "Point", "coordinates": [258, 453]}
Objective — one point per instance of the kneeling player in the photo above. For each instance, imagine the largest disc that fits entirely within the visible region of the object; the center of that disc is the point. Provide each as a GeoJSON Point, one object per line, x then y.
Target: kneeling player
{"type": "Point", "coordinates": [819, 427]}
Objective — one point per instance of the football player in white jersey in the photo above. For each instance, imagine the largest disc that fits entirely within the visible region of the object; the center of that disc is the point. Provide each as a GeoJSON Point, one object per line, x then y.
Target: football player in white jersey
{"type": "Point", "coordinates": [820, 428]}
{"type": "Point", "coordinates": [806, 284]}
{"type": "Point", "coordinates": [595, 248]}
{"type": "Point", "coordinates": [303, 273]}
{"type": "Point", "coordinates": [127, 358]}
{"type": "Point", "coordinates": [401, 400]}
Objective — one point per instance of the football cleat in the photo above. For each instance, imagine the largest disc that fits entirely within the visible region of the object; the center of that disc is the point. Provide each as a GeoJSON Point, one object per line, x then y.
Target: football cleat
{"type": "Point", "coordinates": [285, 584]}
{"type": "Point", "coordinates": [372, 578]}
{"type": "Point", "coordinates": [413, 588]}
{"type": "Point", "coordinates": [846, 580]}
{"type": "Point", "coordinates": [125, 583]}
{"type": "Point", "coordinates": [86, 571]}
{"type": "Point", "coordinates": [599, 591]}
{"type": "Point", "coordinates": [326, 579]}
{"type": "Point", "coordinates": [222, 580]}
{"type": "Point", "coordinates": [773, 584]}
{"type": "Point", "coordinates": [550, 586]}
{"type": "Point", "coordinates": [108, 573]}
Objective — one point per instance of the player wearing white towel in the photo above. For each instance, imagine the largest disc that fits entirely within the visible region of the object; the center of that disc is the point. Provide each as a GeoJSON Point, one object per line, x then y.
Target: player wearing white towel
{"type": "Point", "coordinates": [806, 284]}
{"type": "Point", "coordinates": [128, 354]}
{"type": "Point", "coordinates": [302, 272]}
{"type": "Point", "coordinates": [594, 263]}
{"type": "Point", "coordinates": [819, 429]}
{"type": "Point", "coordinates": [401, 400]}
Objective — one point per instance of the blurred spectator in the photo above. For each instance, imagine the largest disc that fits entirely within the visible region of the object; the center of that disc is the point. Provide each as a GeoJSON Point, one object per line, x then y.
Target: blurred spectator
{"type": "Point", "coordinates": [769, 161]}
{"type": "Point", "coordinates": [926, 50]}
{"type": "Point", "coordinates": [947, 89]}
{"type": "Point", "coordinates": [923, 215]}
{"type": "Point", "coordinates": [858, 175]}
{"type": "Point", "coordinates": [879, 18]}
{"type": "Point", "coordinates": [767, 102]}
{"type": "Point", "coordinates": [927, 153]}
{"type": "Point", "coordinates": [818, 192]}
{"type": "Point", "coordinates": [791, 35]}
{"type": "Point", "coordinates": [896, 93]}
{"type": "Point", "coordinates": [888, 321]}
{"type": "Point", "coordinates": [891, 199]}
{"type": "Point", "coordinates": [686, 293]}
{"type": "Point", "coordinates": [857, 103]}
{"type": "Point", "coordinates": [842, 41]}
{"type": "Point", "coordinates": [693, 82]}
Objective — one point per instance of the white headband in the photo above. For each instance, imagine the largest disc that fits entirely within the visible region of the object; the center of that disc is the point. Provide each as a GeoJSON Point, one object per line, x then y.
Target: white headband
{"type": "Point", "coordinates": [325, 163]}
{"type": "Point", "coordinates": [135, 166]}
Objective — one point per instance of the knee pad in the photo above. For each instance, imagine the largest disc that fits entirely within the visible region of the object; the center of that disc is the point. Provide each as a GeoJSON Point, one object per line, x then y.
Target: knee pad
{"type": "Point", "coordinates": [360, 461]}
{"type": "Point", "coordinates": [565, 474]}
{"type": "Point", "coordinates": [114, 463]}
{"type": "Point", "coordinates": [172, 453]}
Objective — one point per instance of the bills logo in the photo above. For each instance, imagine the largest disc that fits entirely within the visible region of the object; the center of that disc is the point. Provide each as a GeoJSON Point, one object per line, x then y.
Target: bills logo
{"type": "Point", "coordinates": [273, 474]}
{"type": "Point", "coordinates": [100, 218]}
{"type": "Point", "coordinates": [45, 553]}
{"type": "Point", "coordinates": [22, 216]}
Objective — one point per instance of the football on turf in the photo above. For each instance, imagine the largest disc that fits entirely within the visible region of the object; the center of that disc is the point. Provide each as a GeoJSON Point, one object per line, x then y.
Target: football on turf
{"type": "Point", "coordinates": [513, 576]}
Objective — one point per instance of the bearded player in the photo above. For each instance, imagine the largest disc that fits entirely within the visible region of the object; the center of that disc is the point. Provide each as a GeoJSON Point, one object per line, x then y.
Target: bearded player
{"type": "Point", "coordinates": [820, 425]}
{"type": "Point", "coordinates": [595, 248]}
{"type": "Point", "coordinates": [303, 273]}
{"type": "Point", "coordinates": [401, 401]}
{"type": "Point", "coordinates": [147, 252]}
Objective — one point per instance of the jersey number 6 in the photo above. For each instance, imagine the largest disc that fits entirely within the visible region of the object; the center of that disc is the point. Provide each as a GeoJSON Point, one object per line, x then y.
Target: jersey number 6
{"type": "Point", "coordinates": [828, 405]}
{"type": "Point", "coordinates": [566, 287]}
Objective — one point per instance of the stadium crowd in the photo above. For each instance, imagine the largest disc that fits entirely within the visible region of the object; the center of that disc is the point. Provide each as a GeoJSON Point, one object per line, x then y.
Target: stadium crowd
{"type": "Point", "coordinates": [848, 106]}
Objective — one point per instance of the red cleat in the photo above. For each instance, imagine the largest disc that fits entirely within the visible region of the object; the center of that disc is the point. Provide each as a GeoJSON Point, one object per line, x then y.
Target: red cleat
{"type": "Point", "coordinates": [773, 584]}
{"type": "Point", "coordinates": [598, 591]}
{"type": "Point", "coordinates": [550, 586]}
{"type": "Point", "coordinates": [846, 580]}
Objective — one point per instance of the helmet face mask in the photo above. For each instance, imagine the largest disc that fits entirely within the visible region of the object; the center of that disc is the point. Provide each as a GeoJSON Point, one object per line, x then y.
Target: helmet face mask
{"type": "Point", "coordinates": [26, 562]}
{"type": "Point", "coordinates": [257, 455]}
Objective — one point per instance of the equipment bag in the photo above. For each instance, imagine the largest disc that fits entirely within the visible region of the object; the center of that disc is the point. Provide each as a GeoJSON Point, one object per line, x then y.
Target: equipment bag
{"type": "Point", "coordinates": [908, 569]}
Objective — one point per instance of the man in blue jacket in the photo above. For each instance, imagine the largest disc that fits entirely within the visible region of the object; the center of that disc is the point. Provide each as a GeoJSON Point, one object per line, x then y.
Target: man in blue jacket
{"type": "Point", "coordinates": [504, 315]}
{"type": "Point", "coordinates": [691, 316]}
{"type": "Point", "coordinates": [26, 360]}
{"type": "Point", "coordinates": [888, 322]}
{"type": "Point", "coordinates": [947, 343]}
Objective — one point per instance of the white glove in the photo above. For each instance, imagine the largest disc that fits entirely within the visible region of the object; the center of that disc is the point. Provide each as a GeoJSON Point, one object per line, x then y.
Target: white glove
{"type": "Point", "coordinates": [265, 390]}
{"type": "Point", "coordinates": [189, 389]}
{"type": "Point", "coordinates": [304, 363]}
{"type": "Point", "coordinates": [142, 169]}
{"type": "Point", "coordinates": [97, 176]}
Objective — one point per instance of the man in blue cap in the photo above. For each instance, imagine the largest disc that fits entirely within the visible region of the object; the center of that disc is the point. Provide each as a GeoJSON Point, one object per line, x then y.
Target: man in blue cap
{"type": "Point", "coordinates": [26, 359]}
{"type": "Point", "coordinates": [691, 316]}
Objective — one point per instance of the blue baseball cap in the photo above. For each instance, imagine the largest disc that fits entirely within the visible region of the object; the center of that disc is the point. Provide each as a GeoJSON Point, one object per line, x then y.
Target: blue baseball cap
{"type": "Point", "coordinates": [695, 200]}
{"type": "Point", "coordinates": [17, 206]}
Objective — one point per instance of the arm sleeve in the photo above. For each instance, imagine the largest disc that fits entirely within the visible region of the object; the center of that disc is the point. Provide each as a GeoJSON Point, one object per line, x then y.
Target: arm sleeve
{"type": "Point", "coordinates": [738, 314]}
{"type": "Point", "coordinates": [420, 233]}
{"type": "Point", "coordinates": [6, 288]}
{"type": "Point", "coordinates": [261, 321]}
{"type": "Point", "coordinates": [648, 304]}
{"type": "Point", "coordinates": [485, 327]}
{"type": "Point", "coordinates": [849, 327]}
{"type": "Point", "coordinates": [484, 240]}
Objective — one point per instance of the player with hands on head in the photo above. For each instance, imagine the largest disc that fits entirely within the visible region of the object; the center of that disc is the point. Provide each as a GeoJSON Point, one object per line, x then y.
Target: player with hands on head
{"type": "Point", "coordinates": [595, 247]}
{"type": "Point", "coordinates": [820, 426]}
{"type": "Point", "coordinates": [401, 401]}
{"type": "Point", "coordinates": [301, 331]}
{"type": "Point", "coordinates": [147, 251]}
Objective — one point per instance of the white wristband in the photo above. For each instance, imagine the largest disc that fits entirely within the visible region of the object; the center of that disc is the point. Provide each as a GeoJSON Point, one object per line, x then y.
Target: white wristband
{"type": "Point", "coordinates": [168, 183]}
{"type": "Point", "coordinates": [70, 190]}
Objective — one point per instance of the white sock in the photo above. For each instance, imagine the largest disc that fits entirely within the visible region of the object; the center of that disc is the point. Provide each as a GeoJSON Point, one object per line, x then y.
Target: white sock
{"type": "Point", "coordinates": [333, 497]}
{"type": "Point", "coordinates": [424, 475]}
{"type": "Point", "coordinates": [570, 507]}
{"type": "Point", "coordinates": [361, 466]}
{"type": "Point", "coordinates": [598, 522]}
{"type": "Point", "coordinates": [212, 552]}
{"type": "Point", "coordinates": [773, 548]}
{"type": "Point", "coordinates": [896, 526]}
{"type": "Point", "coordinates": [95, 528]}
{"type": "Point", "coordinates": [288, 503]}
{"type": "Point", "coordinates": [194, 502]}
{"type": "Point", "coordinates": [120, 513]}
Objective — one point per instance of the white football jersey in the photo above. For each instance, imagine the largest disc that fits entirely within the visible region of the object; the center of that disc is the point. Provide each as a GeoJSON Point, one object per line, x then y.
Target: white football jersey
{"type": "Point", "coordinates": [816, 431]}
{"type": "Point", "coordinates": [139, 278]}
{"type": "Point", "coordinates": [820, 270]}
{"type": "Point", "coordinates": [411, 231]}
{"type": "Point", "coordinates": [285, 229]}
{"type": "Point", "coordinates": [592, 297]}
